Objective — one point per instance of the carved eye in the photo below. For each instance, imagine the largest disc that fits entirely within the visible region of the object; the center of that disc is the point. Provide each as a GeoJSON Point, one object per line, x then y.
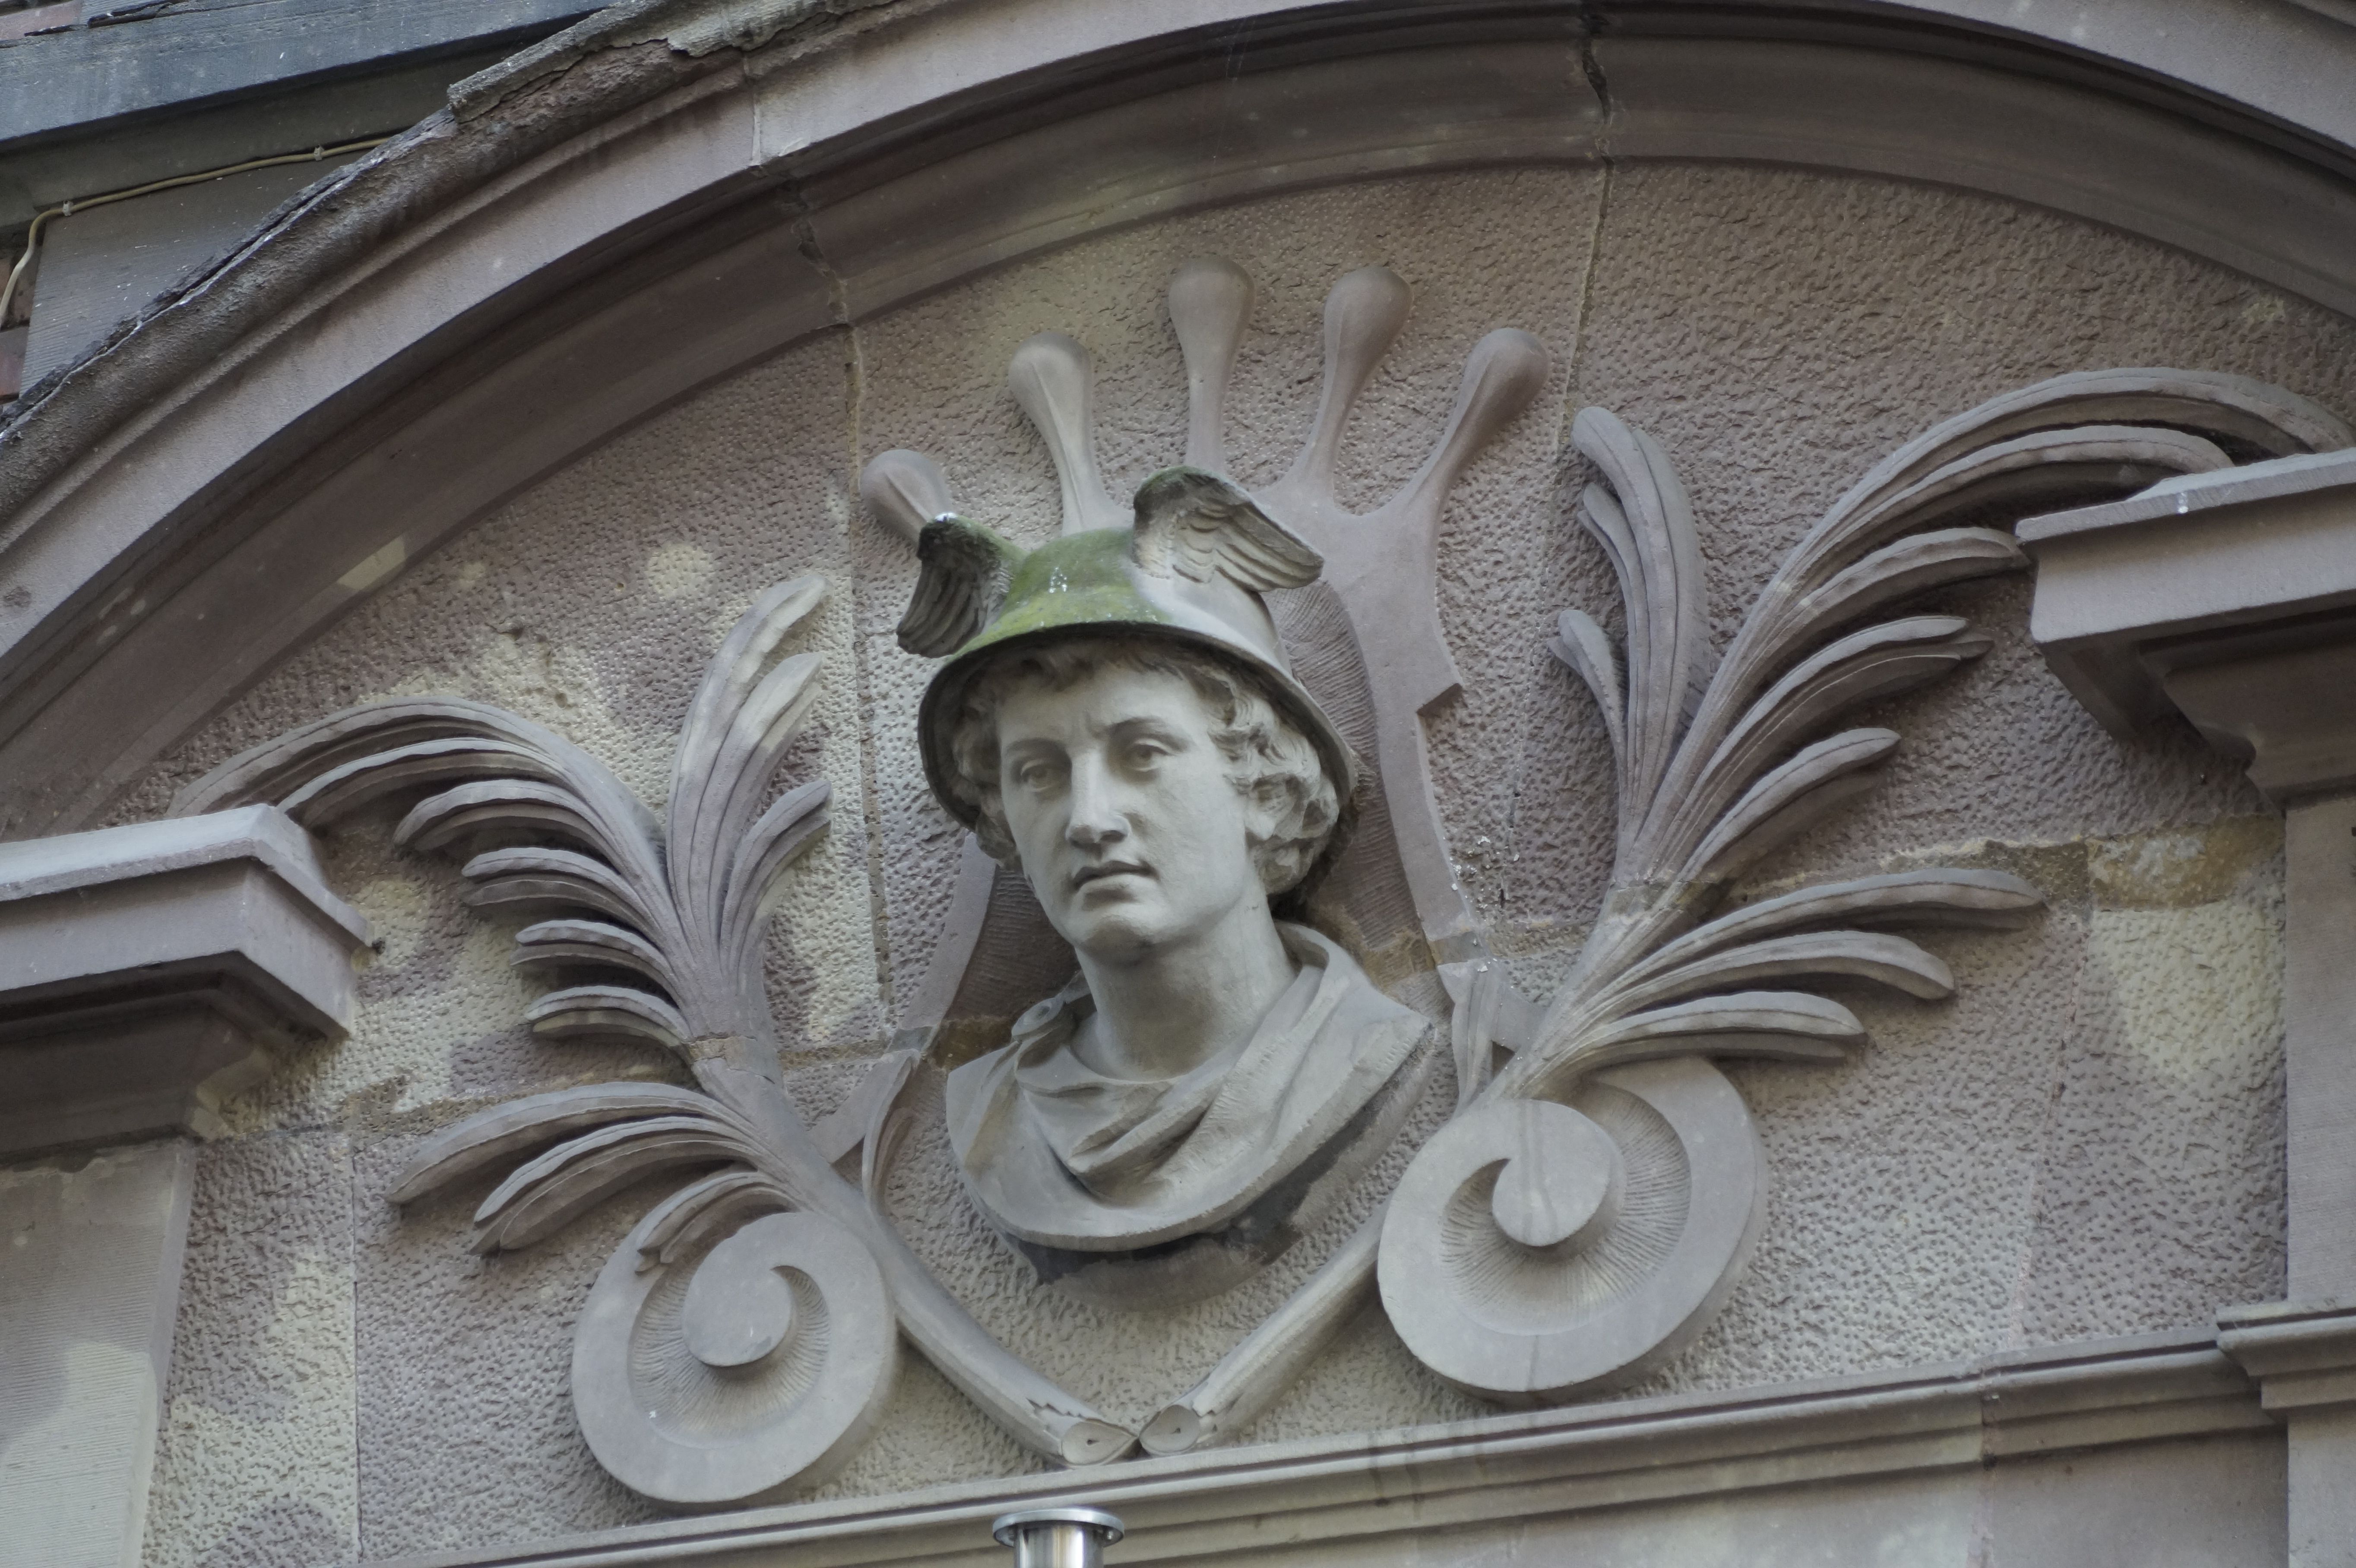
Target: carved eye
{"type": "Point", "coordinates": [1038, 774]}
{"type": "Point", "coordinates": [1144, 756]}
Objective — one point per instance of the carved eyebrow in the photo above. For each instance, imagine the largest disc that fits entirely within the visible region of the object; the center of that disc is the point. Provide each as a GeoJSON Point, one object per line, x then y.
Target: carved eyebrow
{"type": "Point", "coordinates": [1146, 726]}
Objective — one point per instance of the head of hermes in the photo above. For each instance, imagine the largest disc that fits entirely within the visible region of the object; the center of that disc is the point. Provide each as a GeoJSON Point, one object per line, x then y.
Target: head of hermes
{"type": "Point", "coordinates": [1150, 792]}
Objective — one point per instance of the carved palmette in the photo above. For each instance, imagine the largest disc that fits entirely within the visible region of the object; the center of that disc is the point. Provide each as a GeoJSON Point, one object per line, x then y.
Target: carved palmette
{"type": "Point", "coordinates": [1594, 1202]}
{"type": "Point", "coordinates": [740, 1340]}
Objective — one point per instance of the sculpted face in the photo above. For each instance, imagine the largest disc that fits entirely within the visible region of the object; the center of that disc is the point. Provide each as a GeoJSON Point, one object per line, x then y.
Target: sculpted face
{"type": "Point", "coordinates": [1119, 803]}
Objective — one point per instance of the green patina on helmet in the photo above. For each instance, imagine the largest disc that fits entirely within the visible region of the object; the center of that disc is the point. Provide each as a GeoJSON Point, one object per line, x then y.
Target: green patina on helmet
{"type": "Point", "coordinates": [1191, 570]}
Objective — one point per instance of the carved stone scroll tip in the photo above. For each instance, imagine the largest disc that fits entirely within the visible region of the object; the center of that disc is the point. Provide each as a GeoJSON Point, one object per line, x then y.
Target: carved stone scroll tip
{"type": "Point", "coordinates": [1088, 1441]}
{"type": "Point", "coordinates": [1175, 1429]}
{"type": "Point", "coordinates": [904, 490]}
{"type": "Point", "coordinates": [1210, 303]}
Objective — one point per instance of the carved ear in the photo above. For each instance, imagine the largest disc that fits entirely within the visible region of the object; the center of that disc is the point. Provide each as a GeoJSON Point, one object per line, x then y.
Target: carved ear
{"type": "Point", "coordinates": [1195, 524]}
{"type": "Point", "coordinates": [966, 569]}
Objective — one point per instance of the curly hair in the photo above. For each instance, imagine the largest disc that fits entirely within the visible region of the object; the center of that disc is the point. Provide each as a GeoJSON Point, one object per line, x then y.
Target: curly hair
{"type": "Point", "coordinates": [1270, 762]}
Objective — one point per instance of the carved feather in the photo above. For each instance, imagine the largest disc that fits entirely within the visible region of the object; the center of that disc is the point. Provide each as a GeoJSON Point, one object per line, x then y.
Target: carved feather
{"type": "Point", "coordinates": [1875, 956]}
{"type": "Point", "coordinates": [519, 1126]}
{"type": "Point", "coordinates": [1788, 1026]}
{"type": "Point", "coordinates": [1878, 662]}
{"type": "Point", "coordinates": [763, 852]}
{"type": "Point", "coordinates": [1198, 524]}
{"type": "Point", "coordinates": [1645, 525]}
{"type": "Point", "coordinates": [1986, 900]}
{"type": "Point", "coordinates": [1786, 801]}
{"type": "Point", "coordinates": [2275, 421]}
{"type": "Point", "coordinates": [544, 1193]}
{"type": "Point", "coordinates": [1582, 644]}
{"type": "Point", "coordinates": [567, 941]}
{"type": "Point", "coordinates": [355, 784]}
{"type": "Point", "coordinates": [554, 876]}
{"type": "Point", "coordinates": [2041, 468]}
{"type": "Point", "coordinates": [498, 807]}
{"type": "Point", "coordinates": [1909, 566]}
{"type": "Point", "coordinates": [725, 1197]}
{"type": "Point", "coordinates": [273, 770]}
{"type": "Point", "coordinates": [772, 716]}
{"type": "Point", "coordinates": [964, 569]}
{"type": "Point", "coordinates": [526, 890]}
{"type": "Point", "coordinates": [743, 714]}
{"type": "Point", "coordinates": [608, 1010]}
{"type": "Point", "coordinates": [758, 728]}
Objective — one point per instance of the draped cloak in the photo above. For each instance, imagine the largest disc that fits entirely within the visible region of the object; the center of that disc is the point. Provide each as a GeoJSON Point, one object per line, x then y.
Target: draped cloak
{"type": "Point", "coordinates": [1059, 1154]}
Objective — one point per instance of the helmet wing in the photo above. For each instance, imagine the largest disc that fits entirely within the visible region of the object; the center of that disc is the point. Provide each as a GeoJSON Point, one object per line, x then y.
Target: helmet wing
{"type": "Point", "coordinates": [961, 583]}
{"type": "Point", "coordinates": [1199, 526]}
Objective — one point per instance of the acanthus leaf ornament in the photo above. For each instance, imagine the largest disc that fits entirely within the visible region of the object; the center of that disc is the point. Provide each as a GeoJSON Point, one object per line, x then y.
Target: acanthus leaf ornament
{"type": "Point", "coordinates": [1590, 1201]}
{"type": "Point", "coordinates": [668, 1398]}
{"type": "Point", "coordinates": [1522, 1257]}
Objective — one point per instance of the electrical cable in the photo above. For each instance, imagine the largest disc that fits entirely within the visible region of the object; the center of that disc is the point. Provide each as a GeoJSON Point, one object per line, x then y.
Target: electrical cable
{"type": "Point", "coordinates": [84, 204]}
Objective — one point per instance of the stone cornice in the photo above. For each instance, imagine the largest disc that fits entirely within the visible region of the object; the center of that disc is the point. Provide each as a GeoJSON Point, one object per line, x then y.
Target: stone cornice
{"type": "Point", "coordinates": [1360, 1488]}
{"type": "Point", "coordinates": [678, 187]}
{"type": "Point", "coordinates": [2302, 1353]}
{"type": "Point", "coordinates": [145, 969]}
{"type": "Point", "coordinates": [2228, 597]}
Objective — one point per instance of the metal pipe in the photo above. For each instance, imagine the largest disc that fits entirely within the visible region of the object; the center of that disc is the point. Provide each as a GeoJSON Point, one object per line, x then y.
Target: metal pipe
{"type": "Point", "coordinates": [1058, 1537]}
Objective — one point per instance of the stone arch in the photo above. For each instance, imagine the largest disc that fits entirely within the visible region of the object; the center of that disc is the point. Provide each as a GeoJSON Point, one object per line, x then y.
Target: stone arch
{"type": "Point", "coordinates": [672, 191]}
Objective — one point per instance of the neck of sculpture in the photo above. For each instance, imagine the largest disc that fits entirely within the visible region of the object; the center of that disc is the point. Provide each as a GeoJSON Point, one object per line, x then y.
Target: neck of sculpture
{"type": "Point", "coordinates": [1167, 1010]}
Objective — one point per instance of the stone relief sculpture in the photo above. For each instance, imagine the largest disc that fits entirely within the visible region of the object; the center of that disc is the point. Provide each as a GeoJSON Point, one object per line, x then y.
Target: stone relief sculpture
{"type": "Point", "coordinates": [1119, 719]}
{"type": "Point", "coordinates": [1197, 730]}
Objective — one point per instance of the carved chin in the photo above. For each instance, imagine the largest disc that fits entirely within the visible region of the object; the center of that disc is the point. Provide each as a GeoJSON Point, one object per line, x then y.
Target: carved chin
{"type": "Point", "coordinates": [1112, 922]}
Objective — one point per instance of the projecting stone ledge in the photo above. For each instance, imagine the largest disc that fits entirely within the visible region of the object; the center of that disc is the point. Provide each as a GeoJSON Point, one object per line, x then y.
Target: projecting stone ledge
{"type": "Point", "coordinates": [2302, 1354]}
{"type": "Point", "coordinates": [146, 970]}
{"type": "Point", "coordinates": [2229, 597]}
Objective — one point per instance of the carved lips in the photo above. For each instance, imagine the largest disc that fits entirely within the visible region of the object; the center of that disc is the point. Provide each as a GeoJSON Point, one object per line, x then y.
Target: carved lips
{"type": "Point", "coordinates": [1099, 873]}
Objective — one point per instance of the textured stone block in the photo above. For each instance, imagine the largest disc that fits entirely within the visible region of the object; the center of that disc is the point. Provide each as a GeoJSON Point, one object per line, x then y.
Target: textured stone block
{"type": "Point", "coordinates": [257, 1462]}
{"type": "Point", "coordinates": [90, 1280]}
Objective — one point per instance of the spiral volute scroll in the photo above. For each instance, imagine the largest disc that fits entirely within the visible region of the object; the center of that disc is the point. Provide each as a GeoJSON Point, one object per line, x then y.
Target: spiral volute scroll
{"type": "Point", "coordinates": [1534, 1250]}
{"type": "Point", "coordinates": [758, 1368]}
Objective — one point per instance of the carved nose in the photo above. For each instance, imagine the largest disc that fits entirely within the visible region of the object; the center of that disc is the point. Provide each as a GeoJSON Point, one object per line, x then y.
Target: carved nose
{"type": "Point", "coordinates": [1095, 818]}
{"type": "Point", "coordinates": [1094, 828]}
